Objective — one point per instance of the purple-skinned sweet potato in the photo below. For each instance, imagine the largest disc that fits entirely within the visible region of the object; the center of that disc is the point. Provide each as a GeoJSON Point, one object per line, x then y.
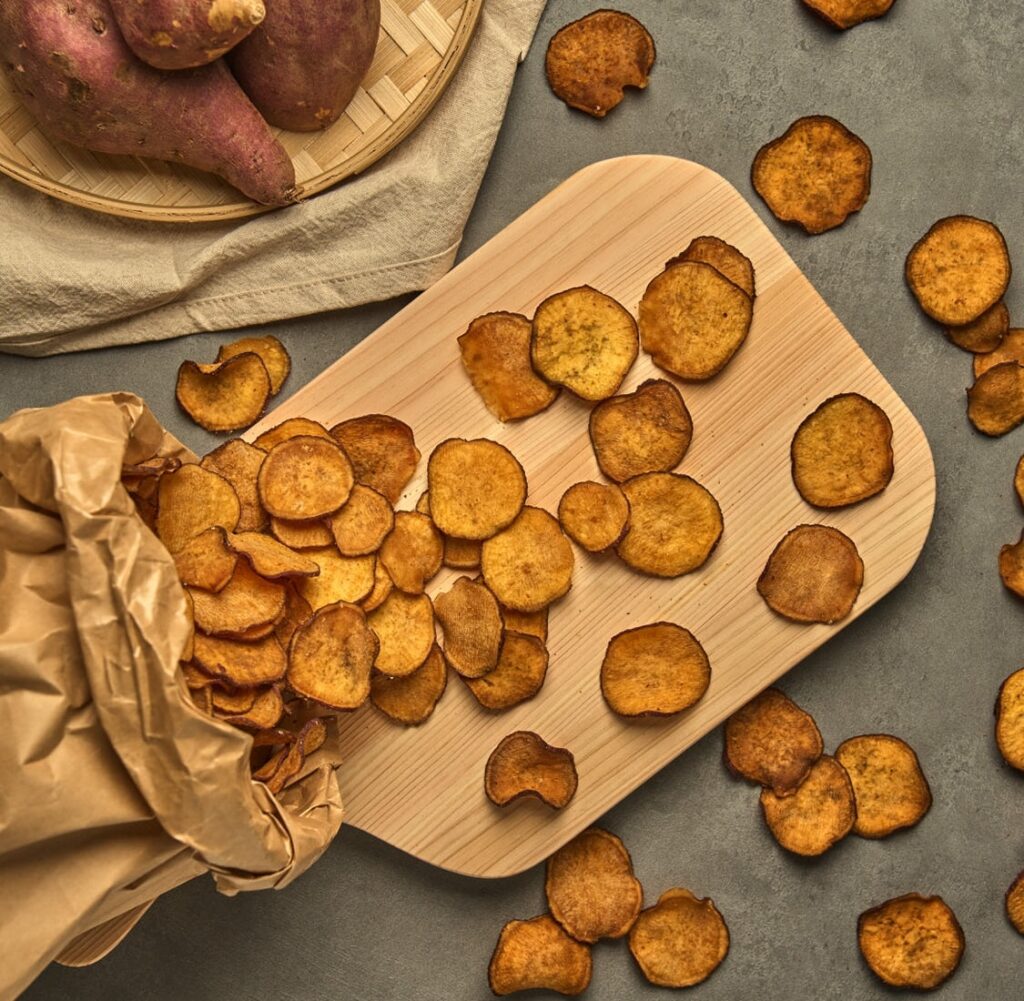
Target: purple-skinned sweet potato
{"type": "Point", "coordinates": [303, 64]}
{"type": "Point", "coordinates": [72, 69]}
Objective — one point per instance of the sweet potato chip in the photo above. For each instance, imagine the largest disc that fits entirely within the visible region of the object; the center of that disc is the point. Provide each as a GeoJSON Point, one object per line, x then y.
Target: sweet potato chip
{"type": "Point", "coordinates": [304, 477]}
{"type": "Point", "coordinates": [246, 600]}
{"type": "Point", "coordinates": [584, 340]}
{"type": "Point", "coordinates": [264, 713]}
{"type": "Point", "coordinates": [411, 700]}
{"type": "Point", "coordinates": [190, 616]}
{"type": "Point", "coordinates": [1011, 349]}
{"type": "Point", "coordinates": [205, 561]}
{"type": "Point", "coordinates": [412, 552]}
{"type": "Point", "coordinates": [423, 504]}
{"type": "Point", "coordinates": [496, 356]}
{"type": "Point", "coordinates": [382, 450]}
{"type": "Point", "coordinates": [674, 525]}
{"type": "Point", "coordinates": [844, 14]}
{"type": "Point", "coordinates": [224, 396]}
{"type": "Point", "coordinates": [1010, 720]}
{"type": "Point", "coordinates": [242, 664]}
{"type": "Point", "coordinates": [312, 533]}
{"type": "Point", "coordinates": [529, 564]}
{"type": "Point", "coordinates": [813, 575]}
{"type": "Point", "coordinates": [888, 784]}
{"type": "Point", "coordinates": [471, 624]}
{"type": "Point", "coordinates": [239, 463]}
{"type": "Point", "coordinates": [269, 558]}
{"type": "Point", "coordinates": [518, 676]}
{"type": "Point", "coordinates": [331, 657]}
{"type": "Point", "coordinates": [594, 515]}
{"type": "Point", "coordinates": [816, 174]}
{"type": "Point", "coordinates": [821, 812]}
{"type": "Point", "coordinates": [383, 585]}
{"type": "Point", "coordinates": [195, 676]}
{"type": "Point", "coordinates": [271, 352]}
{"type": "Point", "coordinates": [911, 941]}
{"type": "Point", "coordinates": [723, 257]}
{"type": "Point", "coordinates": [202, 699]}
{"type": "Point", "coordinates": [462, 554]}
{"type": "Point", "coordinates": [984, 334]}
{"type": "Point", "coordinates": [404, 624]}
{"type": "Point", "coordinates": [680, 941]}
{"type": "Point", "coordinates": [288, 762]}
{"type": "Point", "coordinates": [294, 427]}
{"type": "Point", "coordinates": [233, 700]}
{"type": "Point", "coordinates": [362, 523]}
{"type": "Point", "coordinates": [1018, 480]}
{"type": "Point", "coordinates": [193, 499]}
{"type": "Point", "coordinates": [590, 62]}
{"type": "Point", "coordinates": [256, 632]}
{"type": "Point", "coordinates": [995, 403]}
{"type": "Point", "coordinates": [525, 765]}
{"type": "Point", "coordinates": [526, 623]}
{"type": "Point", "coordinates": [537, 954]}
{"type": "Point", "coordinates": [296, 611]}
{"type": "Point", "coordinates": [655, 670]}
{"type": "Point", "coordinates": [341, 578]}
{"type": "Point", "coordinates": [590, 887]}
{"type": "Point", "coordinates": [1015, 903]}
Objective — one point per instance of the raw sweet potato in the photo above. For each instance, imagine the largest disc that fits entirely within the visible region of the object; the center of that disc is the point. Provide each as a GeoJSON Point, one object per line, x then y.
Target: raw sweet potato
{"type": "Point", "coordinates": [72, 69]}
{"type": "Point", "coordinates": [302, 66]}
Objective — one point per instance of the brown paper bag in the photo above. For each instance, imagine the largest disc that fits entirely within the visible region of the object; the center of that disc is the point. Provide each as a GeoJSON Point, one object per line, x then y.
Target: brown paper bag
{"type": "Point", "coordinates": [113, 787]}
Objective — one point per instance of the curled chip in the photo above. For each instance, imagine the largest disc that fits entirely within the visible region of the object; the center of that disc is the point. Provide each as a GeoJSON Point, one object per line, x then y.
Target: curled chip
{"type": "Point", "coordinates": [584, 340]}
{"type": "Point", "coordinates": [404, 624]}
{"type": "Point", "coordinates": [773, 742]}
{"type": "Point", "coordinates": [816, 174]}
{"type": "Point", "coordinates": [842, 453]}
{"type": "Point", "coordinates": [821, 812]}
{"type": "Point", "coordinates": [287, 763]}
{"type": "Point", "coordinates": [296, 612]}
{"type": "Point", "coordinates": [519, 675]}
{"type": "Point", "coordinates": [590, 62]}
{"type": "Point", "coordinates": [331, 657]}
{"type": "Point", "coordinates": [226, 395]}
{"type": "Point", "coordinates": [265, 712]}
{"type": "Point", "coordinates": [205, 561]}
{"type": "Point", "coordinates": [995, 403]}
{"type": "Point", "coordinates": [411, 700]}
{"type": "Point", "coordinates": [674, 524]}
{"type": "Point", "coordinates": [312, 533]}
{"type": "Point", "coordinates": [888, 784]}
{"type": "Point", "coordinates": [270, 558]}
{"type": "Point", "coordinates": [524, 765]}
{"type": "Point", "coordinates": [1011, 349]}
{"type": "Point", "coordinates": [239, 463]}
{"type": "Point", "coordinates": [304, 477]}
{"type": "Point", "coordinates": [191, 500]}
{"type": "Point", "coordinates": [538, 955]}
{"type": "Point", "coordinates": [723, 257]}
{"type": "Point", "coordinates": [471, 624]}
{"type": "Point", "coordinates": [247, 600]}
{"type": "Point", "coordinates": [462, 554]}
{"type": "Point", "coordinates": [680, 941]}
{"type": "Point", "coordinates": [423, 504]}
{"type": "Point", "coordinates": [527, 623]}
{"type": "Point", "coordinates": [496, 356]}
{"type": "Point", "coordinates": [477, 487]}
{"type": "Point", "coordinates": [1010, 720]}
{"type": "Point", "coordinates": [813, 575]}
{"type": "Point", "coordinates": [239, 663]}
{"type": "Point", "coordinates": [294, 427]}
{"type": "Point", "coordinates": [594, 515]}
{"type": "Point", "coordinates": [849, 13]}
{"type": "Point", "coordinates": [654, 670]}
{"type": "Point", "coordinates": [591, 890]}
{"type": "Point", "coordinates": [1011, 567]}
{"type": "Point", "coordinates": [341, 578]}
{"type": "Point", "coordinates": [383, 585]}
{"type": "Point", "coordinates": [529, 564]}
{"type": "Point", "coordinates": [958, 269]}
{"type": "Point", "coordinates": [984, 334]}
{"type": "Point", "coordinates": [911, 941]}
{"type": "Point", "coordinates": [412, 552]}
{"type": "Point", "coordinates": [361, 524]}
{"type": "Point", "coordinates": [647, 431]}
{"type": "Point", "coordinates": [1015, 903]}
{"type": "Point", "coordinates": [271, 352]}
{"type": "Point", "coordinates": [382, 450]}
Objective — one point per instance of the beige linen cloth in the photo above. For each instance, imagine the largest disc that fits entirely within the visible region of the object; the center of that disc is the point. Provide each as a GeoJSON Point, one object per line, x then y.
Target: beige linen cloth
{"type": "Point", "coordinates": [72, 279]}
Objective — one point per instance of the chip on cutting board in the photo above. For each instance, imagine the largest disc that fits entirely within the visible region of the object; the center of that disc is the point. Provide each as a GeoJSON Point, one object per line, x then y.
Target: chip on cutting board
{"type": "Point", "coordinates": [1015, 903]}
{"type": "Point", "coordinates": [849, 13]}
{"type": "Point", "coordinates": [269, 558]}
{"type": "Point", "coordinates": [723, 257]}
{"type": "Point", "coordinates": [404, 624]}
{"type": "Point", "coordinates": [205, 561]}
{"type": "Point", "coordinates": [1011, 349]}
{"type": "Point", "coordinates": [412, 551]}
{"type": "Point", "coordinates": [226, 395]}
{"type": "Point", "coordinates": [527, 623]}
{"type": "Point", "coordinates": [411, 700]}
{"type": "Point", "coordinates": [985, 333]}
{"type": "Point", "coordinates": [341, 578]}
{"type": "Point", "coordinates": [239, 463]}
{"type": "Point", "coordinates": [246, 601]}
{"type": "Point", "coordinates": [995, 403]}
{"type": "Point", "coordinates": [191, 500]}
{"type": "Point", "coordinates": [471, 623]}
{"type": "Point", "coordinates": [362, 523]}
{"type": "Point", "coordinates": [518, 676]}
{"type": "Point", "coordinates": [271, 352]}
{"type": "Point", "coordinates": [1010, 720]}
{"type": "Point", "coordinates": [594, 515]}
{"type": "Point", "coordinates": [239, 663]}
{"type": "Point", "coordinates": [304, 477]}
{"type": "Point", "coordinates": [525, 765]}
{"type": "Point", "coordinates": [538, 955]}
{"type": "Point", "coordinates": [382, 450]}
{"type": "Point", "coordinates": [294, 427]}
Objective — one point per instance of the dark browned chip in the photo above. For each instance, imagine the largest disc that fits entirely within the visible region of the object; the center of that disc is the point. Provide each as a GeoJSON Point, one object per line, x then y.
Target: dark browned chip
{"type": "Point", "coordinates": [525, 765]}
{"type": "Point", "coordinates": [382, 450]}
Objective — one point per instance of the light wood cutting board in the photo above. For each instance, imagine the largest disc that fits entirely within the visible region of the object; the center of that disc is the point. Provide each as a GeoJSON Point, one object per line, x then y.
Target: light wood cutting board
{"type": "Point", "coordinates": [613, 225]}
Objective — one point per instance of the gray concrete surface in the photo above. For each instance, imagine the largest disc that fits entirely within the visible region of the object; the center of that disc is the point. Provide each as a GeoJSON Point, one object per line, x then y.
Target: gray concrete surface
{"type": "Point", "coordinates": [935, 89]}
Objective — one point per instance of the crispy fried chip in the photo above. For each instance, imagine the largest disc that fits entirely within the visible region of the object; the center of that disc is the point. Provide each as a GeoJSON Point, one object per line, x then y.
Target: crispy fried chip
{"type": "Point", "coordinates": [341, 578]}
{"type": "Point", "coordinates": [233, 700]}
{"type": "Point", "coordinates": [271, 352]}
{"type": "Point", "coordinates": [958, 269]}
{"type": "Point", "coordinates": [256, 632]}
{"type": "Point", "coordinates": [647, 431]}
{"type": "Point", "coordinates": [195, 676]}
{"type": "Point", "coordinates": [842, 453]}
{"type": "Point", "coordinates": [526, 623]}
{"type": "Point", "coordinates": [477, 487]}
{"type": "Point", "coordinates": [296, 611]}
{"type": "Point", "coordinates": [888, 784]}
{"type": "Point", "coordinates": [821, 812]}
{"type": "Point", "coordinates": [412, 552]}
{"type": "Point", "coordinates": [423, 504]}
{"type": "Point", "coordinates": [239, 463]}
{"type": "Point", "coordinates": [911, 941]}
{"type": "Point", "coordinates": [246, 600]}
{"type": "Point", "coordinates": [723, 257]}
{"type": "Point", "coordinates": [529, 564]}
{"type": "Point", "coordinates": [496, 356]}
{"type": "Point", "coordinates": [537, 954]}
{"type": "Point", "coordinates": [362, 523]}
{"type": "Point", "coordinates": [1015, 903]}
{"type": "Point", "coordinates": [1018, 480]}
{"type": "Point", "coordinates": [984, 334]}
{"type": "Point", "coordinates": [654, 670]}
{"type": "Point", "coordinates": [1011, 349]}
{"type": "Point", "coordinates": [525, 765]}
{"type": "Point", "coordinates": [591, 890]}
{"type": "Point", "coordinates": [590, 62]}
{"type": "Point", "coordinates": [584, 340]}
{"type": "Point", "coordinates": [680, 941]}
{"type": "Point", "coordinates": [411, 700]}
{"type": "Point", "coordinates": [205, 561]}
{"type": "Point", "coordinates": [192, 500]}
{"type": "Point", "coordinates": [462, 554]}
{"type": "Point", "coordinates": [383, 585]}
{"type": "Point", "coordinates": [594, 515]}
{"type": "Point", "coordinates": [519, 675]}
{"type": "Point", "coordinates": [224, 396]}
{"type": "Point", "coordinates": [269, 558]}
{"type": "Point", "coordinates": [404, 624]}
{"type": "Point", "coordinates": [202, 699]}
{"type": "Point", "coordinates": [1010, 720]}
{"type": "Point", "coordinates": [816, 174]}
{"type": "Point", "coordinates": [813, 575]}
{"type": "Point", "coordinates": [294, 427]}
{"type": "Point", "coordinates": [844, 14]}
{"type": "Point", "coordinates": [471, 624]}
{"type": "Point", "coordinates": [304, 477]}
{"type": "Point", "coordinates": [264, 713]}
{"type": "Point", "coordinates": [773, 742]}
{"type": "Point", "coordinates": [312, 533]}
{"type": "Point", "coordinates": [331, 657]}
{"type": "Point", "coordinates": [382, 450]}
{"type": "Point", "coordinates": [242, 664]}
{"type": "Point", "coordinates": [674, 524]}
{"type": "Point", "coordinates": [995, 403]}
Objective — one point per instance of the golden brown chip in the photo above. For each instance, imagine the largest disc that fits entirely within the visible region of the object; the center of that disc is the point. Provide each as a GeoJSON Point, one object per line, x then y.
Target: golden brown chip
{"type": "Point", "coordinates": [304, 477]}
{"type": "Point", "coordinates": [264, 713]}
{"type": "Point", "coordinates": [412, 552]}
{"type": "Point", "coordinates": [233, 700]}
{"type": "Point", "coordinates": [294, 427]}
{"type": "Point", "coordinates": [584, 340]}
{"type": "Point", "coordinates": [590, 62]}
{"type": "Point", "coordinates": [821, 812]}
{"type": "Point", "coordinates": [269, 558]}
{"type": "Point", "coordinates": [411, 700]}
{"type": "Point", "coordinates": [1010, 720]}
{"type": "Point", "coordinates": [341, 578]}
{"type": "Point", "coordinates": [984, 334]}
{"type": "Point", "coordinates": [272, 738]}
{"type": "Point", "coordinates": [496, 356]}
{"type": "Point", "coordinates": [813, 575]}
{"type": "Point", "coordinates": [518, 676]}
{"type": "Point", "coordinates": [271, 352]}
{"type": "Point", "coordinates": [526, 623]}
{"type": "Point", "coordinates": [313, 533]}
{"type": "Point", "coordinates": [331, 657]}
{"type": "Point", "coordinates": [382, 450]}
{"type": "Point", "coordinates": [193, 499]}
{"type": "Point", "coordinates": [958, 269]}
{"type": "Point", "coordinates": [404, 624]}
{"type": "Point", "coordinates": [195, 676]}
{"type": "Point", "coordinates": [816, 174]}
{"type": "Point", "coordinates": [1018, 480]}
{"type": "Point", "coordinates": [525, 765]}
{"type": "Point", "coordinates": [537, 954]}
{"type": "Point", "coordinates": [995, 403]}
{"type": "Point", "coordinates": [296, 611]}
{"type": "Point", "coordinates": [655, 670]}
{"type": "Point", "coordinates": [590, 887]}
{"type": "Point", "coordinates": [680, 941]}
{"type": "Point", "coordinates": [1015, 903]}
{"type": "Point", "coordinates": [911, 941]}
{"type": "Point", "coordinates": [205, 561]}
{"type": "Point", "coordinates": [674, 525]}
{"type": "Point", "coordinates": [529, 564]}
{"type": "Point", "coordinates": [256, 632]}
{"type": "Point", "coordinates": [462, 554]}
{"type": "Point", "coordinates": [224, 396]}
{"type": "Point", "coordinates": [312, 735]}
{"type": "Point", "coordinates": [844, 14]}
{"type": "Point", "coordinates": [471, 624]}
{"type": "Point", "coordinates": [594, 515]}
{"type": "Point", "coordinates": [1011, 349]}
{"type": "Point", "coordinates": [723, 257]}
{"type": "Point", "coordinates": [281, 768]}
{"type": "Point", "coordinates": [423, 504]}
{"type": "Point", "coordinates": [383, 585]}
{"type": "Point", "coordinates": [362, 523]}
{"type": "Point", "coordinates": [242, 664]}
{"type": "Point", "coordinates": [247, 600]}
{"type": "Point", "coordinates": [239, 463]}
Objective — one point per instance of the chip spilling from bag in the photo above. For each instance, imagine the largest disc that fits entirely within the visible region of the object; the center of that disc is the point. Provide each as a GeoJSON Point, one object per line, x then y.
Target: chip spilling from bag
{"type": "Point", "coordinates": [411, 700]}
{"type": "Point", "coordinates": [723, 257]}
{"type": "Point", "coordinates": [995, 403]}
{"type": "Point", "coordinates": [1010, 720]}
{"type": "Point", "coordinates": [404, 624]}
{"type": "Point", "coordinates": [239, 463]}
{"type": "Point", "coordinates": [245, 602]}
{"type": "Point", "coordinates": [845, 14]}
{"type": "Point", "coordinates": [594, 515]}
{"type": "Point", "coordinates": [304, 477]}
{"type": "Point", "coordinates": [189, 501]}
{"type": "Point", "coordinates": [518, 676]}
{"type": "Point", "coordinates": [525, 765]}
{"type": "Point", "coordinates": [412, 552]}
{"type": "Point", "coordinates": [538, 955]}
{"type": "Point", "coordinates": [243, 664]}
{"type": "Point", "coordinates": [471, 623]}
{"type": "Point", "coordinates": [269, 558]}
{"type": "Point", "coordinates": [205, 561]}
{"type": "Point", "coordinates": [271, 352]}
{"type": "Point", "coordinates": [225, 396]}
{"type": "Point", "coordinates": [382, 451]}
{"type": "Point", "coordinates": [984, 334]}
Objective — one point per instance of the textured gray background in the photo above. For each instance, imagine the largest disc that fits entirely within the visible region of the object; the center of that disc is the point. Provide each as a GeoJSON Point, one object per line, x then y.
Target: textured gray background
{"type": "Point", "coordinates": [935, 90]}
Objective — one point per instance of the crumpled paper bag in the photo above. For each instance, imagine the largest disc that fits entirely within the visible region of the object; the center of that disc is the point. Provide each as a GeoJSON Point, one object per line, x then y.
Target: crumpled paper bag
{"type": "Point", "coordinates": [113, 786]}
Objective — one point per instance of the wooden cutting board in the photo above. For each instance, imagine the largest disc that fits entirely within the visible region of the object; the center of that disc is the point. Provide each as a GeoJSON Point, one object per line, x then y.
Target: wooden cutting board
{"type": "Point", "coordinates": [613, 225]}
